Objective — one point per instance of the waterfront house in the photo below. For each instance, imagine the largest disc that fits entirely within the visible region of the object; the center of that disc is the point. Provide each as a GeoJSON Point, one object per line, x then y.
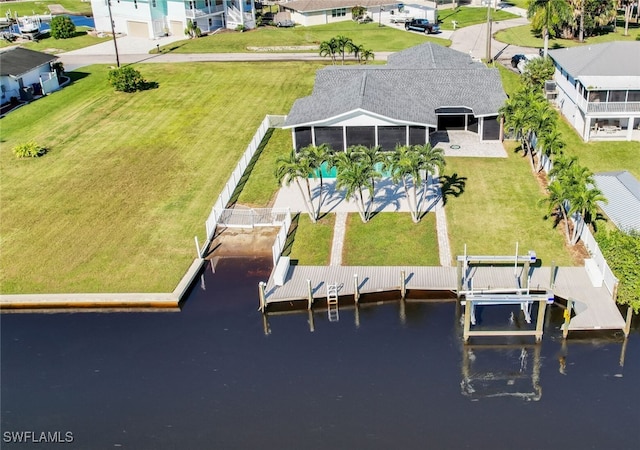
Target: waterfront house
{"type": "Point", "coordinates": [26, 73]}
{"type": "Point", "coordinates": [597, 88]}
{"type": "Point", "coordinates": [419, 91]}
{"type": "Point", "coordinates": [156, 18]}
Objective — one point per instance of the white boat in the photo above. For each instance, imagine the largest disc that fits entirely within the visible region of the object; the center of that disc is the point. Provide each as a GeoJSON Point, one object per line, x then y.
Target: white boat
{"type": "Point", "coordinates": [29, 25]}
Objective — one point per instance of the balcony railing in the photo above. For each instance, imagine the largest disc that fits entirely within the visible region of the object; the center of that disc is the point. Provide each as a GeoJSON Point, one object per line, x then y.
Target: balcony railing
{"type": "Point", "coordinates": [613, 107]}
{"type": "Point", "coordinates": [200, 12]}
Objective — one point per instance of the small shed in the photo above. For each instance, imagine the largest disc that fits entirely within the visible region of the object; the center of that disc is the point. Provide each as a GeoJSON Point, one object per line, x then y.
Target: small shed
{"type": "Point", "coordinates": [25, 73]}
{"type": "Point", "coordinates": [622, 191]}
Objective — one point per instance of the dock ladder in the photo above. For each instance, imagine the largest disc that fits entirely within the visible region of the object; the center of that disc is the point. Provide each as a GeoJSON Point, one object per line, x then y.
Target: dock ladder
{"type": "Point", "coordinates": [332, 302]}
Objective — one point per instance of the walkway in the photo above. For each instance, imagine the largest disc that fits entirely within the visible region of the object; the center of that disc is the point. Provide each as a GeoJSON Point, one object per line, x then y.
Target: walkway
{"type": "Point", "coordinates": [339, 229]}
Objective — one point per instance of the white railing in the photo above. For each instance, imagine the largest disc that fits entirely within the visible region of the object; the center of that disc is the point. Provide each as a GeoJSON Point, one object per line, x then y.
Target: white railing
{"type": "Point", "coordinates": [269, 121]}
{"type": "Point", "coordinates": [281, 239]}
{"type": "Point", "coordinates": [609, 279]}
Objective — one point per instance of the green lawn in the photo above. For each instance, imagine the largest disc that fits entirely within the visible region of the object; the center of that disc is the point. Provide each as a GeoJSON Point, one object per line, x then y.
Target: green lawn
{"type": "Point", "coordinates": [522, 36]}
{"type": "Point", "coordinates": [312, 242]}
{"type": "Point", "coordinates": [499, 207]}
{"type": "Point", "coordinates": [130, 178]}
{"type": "Point", "coordinates": [50, 45]}
{"type": "Point", "coordinates": [27, 8]}
{"type": "Point", "coordinates": [391, 239]}
{"type": "Point", "coordinates": [262, 186]}
{"type": "Point", "coordinates": [373, 37]}
{"type": "Point", "coordinates": [466, 16]}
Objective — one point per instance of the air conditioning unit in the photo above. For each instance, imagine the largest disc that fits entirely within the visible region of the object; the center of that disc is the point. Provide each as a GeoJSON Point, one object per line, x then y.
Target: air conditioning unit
{"type": "Point", "coordinates": [551, 90]}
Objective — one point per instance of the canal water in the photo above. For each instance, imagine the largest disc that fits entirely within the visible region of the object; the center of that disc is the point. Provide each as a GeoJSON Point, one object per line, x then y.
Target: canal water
{"type": "Point", "coordinates": [215, 375]}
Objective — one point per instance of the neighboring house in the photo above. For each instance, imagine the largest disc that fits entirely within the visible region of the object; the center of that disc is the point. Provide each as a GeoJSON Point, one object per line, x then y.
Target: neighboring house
{"type": "Point", "coordinates": [597, 88]}
{"type": "Point", "coordinates": [319, 12]}
{"type": "Point", "coordinates": [420, 90]}
{"type": "Point", "coordinates": [156, 18]}
{"type": "Point", "coordinates": [25, 73]}
{"type": "Point", "coordinates": [622, 191]}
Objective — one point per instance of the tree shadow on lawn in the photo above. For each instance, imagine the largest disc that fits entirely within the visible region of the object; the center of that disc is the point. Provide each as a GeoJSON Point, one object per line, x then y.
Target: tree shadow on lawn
{"type": "Point", "coordinates": [452, 185]}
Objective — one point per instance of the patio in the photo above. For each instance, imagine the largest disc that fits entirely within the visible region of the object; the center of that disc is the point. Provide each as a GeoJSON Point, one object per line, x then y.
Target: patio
{"type": "Point", "coordinates": [466, 144]}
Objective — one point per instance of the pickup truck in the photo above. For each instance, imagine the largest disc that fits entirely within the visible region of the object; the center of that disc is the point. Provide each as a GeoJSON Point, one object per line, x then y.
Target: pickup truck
{"type": "Point", "coordinates": [422, 25]}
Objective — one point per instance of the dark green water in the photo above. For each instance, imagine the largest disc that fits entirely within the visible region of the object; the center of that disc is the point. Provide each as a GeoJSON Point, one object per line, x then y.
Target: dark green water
{"type": "Point", "coordinates": [210, 378]}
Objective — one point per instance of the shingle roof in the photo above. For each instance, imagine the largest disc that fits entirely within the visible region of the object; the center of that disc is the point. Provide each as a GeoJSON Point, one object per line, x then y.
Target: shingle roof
{"type": "Point", "coordinates": [622, 191]}
{"type": "Point", "coordinates": [17, 61]}
{"type": "Point", "coordinates": [321, 5]}
{"type": "Point", "coordinates": [402, 93]}
{"type": "Point", "coordinates": [618, 58]}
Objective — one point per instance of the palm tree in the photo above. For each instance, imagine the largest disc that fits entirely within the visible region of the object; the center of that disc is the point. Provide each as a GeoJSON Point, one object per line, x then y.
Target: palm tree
{"type": "Point", "coordinates": [556, 202]}
{"type": "Point", "coordinates": [297, 167]}
{"type": "Point", "coordinates": [550, 144]}
{"type": "Point", "coordinates": [366, 55]}
{"type": "Point", "coordinates": [547, 15]}
{"type": "Point", "coordinates": [404, 165]}
{"type": "Point", "coordinates": [585, 199]}
{"type": "Point", "coordinates": [354, 176]}
{"type": "Point", "coordinates": [329, 48]}
{"type": "Point", "coordinates": [431, 162]}
{"type": "Point", "coordinates": [345, 45]}
{"type": "Point", "coordinates": [317, 156]}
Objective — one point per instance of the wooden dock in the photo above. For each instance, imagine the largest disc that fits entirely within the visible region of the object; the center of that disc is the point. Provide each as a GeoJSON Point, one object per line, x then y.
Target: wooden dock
{"type": "Point", "coordinates": [594, 308]}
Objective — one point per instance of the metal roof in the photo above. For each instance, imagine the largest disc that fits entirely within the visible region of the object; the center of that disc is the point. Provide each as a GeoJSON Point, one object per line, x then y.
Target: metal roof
{"type": "Point", "coordinates": [16, 61]}
{"type": "Point", "coordinates": [622, 191]}
{"type": "Point", "coordinates": [401, 93]}
{"type": "Point", "coordinates": [611, 59]}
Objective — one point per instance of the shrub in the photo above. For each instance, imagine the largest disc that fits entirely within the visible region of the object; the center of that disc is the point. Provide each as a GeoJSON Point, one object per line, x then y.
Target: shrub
{"type": "Point", "coordinates": [62, 27]}
{"type": "Point", "coordinates": [240, 28]}
{"type": "Point", "coordinates": [192, 30]}
{"type": "Point", "coordinates": [126, 79]}
{"type": "Point", "coordinates": [29, 150]}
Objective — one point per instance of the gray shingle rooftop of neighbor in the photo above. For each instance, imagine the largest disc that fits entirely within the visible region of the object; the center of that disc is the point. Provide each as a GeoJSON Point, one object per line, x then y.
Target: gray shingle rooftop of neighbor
{"type": "Point", "coordinates": [17, 61]}
{"type": "Point", "coordinates": [622, 191]}
{"type": "Point", "coordinates": [618, 58]}
{"type": "Point", "coordinates": [398, 91]}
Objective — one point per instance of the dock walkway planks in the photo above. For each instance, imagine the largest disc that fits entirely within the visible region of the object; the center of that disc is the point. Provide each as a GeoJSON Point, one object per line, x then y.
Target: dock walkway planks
{"type": "Point", "coordinates": [594, 307]}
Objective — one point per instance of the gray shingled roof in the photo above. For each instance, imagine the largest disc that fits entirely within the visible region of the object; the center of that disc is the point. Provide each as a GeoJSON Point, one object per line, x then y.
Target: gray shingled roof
{"type": "Point", "coordinates": [400, 93]}
{"type": "Point", "coordinates": [17, 61]}
{"type": "Point", "coordinates": [622, 191]}
{"type": "Point", "coordinates": [322, 5]}
{"type": "Point", "coordinates": [616, 58]}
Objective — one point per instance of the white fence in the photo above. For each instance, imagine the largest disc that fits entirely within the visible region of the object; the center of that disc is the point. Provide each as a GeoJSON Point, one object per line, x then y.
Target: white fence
{"type": "Point", "coordinates": [609, 279]}
{"type": "Point", "coordinates": [231, 185]}
{"type": "Point", "coordinates": [281, 239]}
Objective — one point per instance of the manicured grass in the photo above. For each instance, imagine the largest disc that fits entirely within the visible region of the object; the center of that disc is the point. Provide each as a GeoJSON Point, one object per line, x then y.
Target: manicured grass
{"type": "Point", "coordinates": [466, 16]}
{"type": "Point", "coordinates": [523, 37]}
{"type": "Point", "coordinates": [603, 156]}
{"type": "Point", "coordinates": [28, 8]}
{"type": "Point", "coordinates": [48, 44]}
{"type": "Point", "coordinates": [312, 242]}
{"type": "Point", "coordinates": [129, 178]}
{"type": "Point", "coordinates": [262, 185]}
{"type": "Point", "coordinates": [391, 239]}
{"type": "Point", "coordinates": [499, 207]}
{"type": "Point", "coordinates": [511, 81]}
{"type": "Point", "coordinates": [370, 35]}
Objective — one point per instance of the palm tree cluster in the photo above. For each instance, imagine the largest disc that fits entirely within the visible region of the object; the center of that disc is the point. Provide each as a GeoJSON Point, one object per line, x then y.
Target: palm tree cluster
{"type": "Point", "coordinates": [358, 168]}
{"type": "Point", "coordinates": [343, 46]}
{"type": "Point", "coordinates": [528, 116]}
{"type": "Point", "coordinates": [570, 18]}
{"type": "Point", "coordinates": [572, 193]}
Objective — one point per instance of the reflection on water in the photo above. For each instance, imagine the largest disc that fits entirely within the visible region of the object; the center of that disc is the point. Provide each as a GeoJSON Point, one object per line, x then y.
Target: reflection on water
{"type": "Point", "coordinates": [219, 374]}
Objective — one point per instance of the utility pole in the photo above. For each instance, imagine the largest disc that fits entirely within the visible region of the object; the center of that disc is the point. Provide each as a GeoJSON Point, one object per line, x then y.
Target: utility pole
{"type": "Point", "coordinates": [113, 33]}
{"type": "Point", "coordinates": [488, 58]}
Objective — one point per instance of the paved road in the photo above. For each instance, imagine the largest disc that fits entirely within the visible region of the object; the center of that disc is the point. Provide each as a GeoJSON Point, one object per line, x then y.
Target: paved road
{"type": "Point", "coordinates": [471, 40]}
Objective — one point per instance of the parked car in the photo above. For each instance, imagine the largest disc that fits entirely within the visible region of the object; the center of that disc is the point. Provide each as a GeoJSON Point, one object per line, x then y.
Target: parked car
{"type": "Point", "coordinates": [285, 23]}
{"type": "Point", "coordinates": [519, 61]}
{"type": "Point", "coordinates": [422, 25]}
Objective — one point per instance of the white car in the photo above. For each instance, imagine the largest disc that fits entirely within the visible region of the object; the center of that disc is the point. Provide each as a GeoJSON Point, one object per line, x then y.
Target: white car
{"type": "Point", "coordinates": [524, 61]}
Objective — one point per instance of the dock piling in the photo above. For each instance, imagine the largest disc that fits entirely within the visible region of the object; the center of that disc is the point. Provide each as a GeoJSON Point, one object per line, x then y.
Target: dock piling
{"type": "Point", "coordinates": [309, 295]}
{"type": "Point", "coordinates": [356, 289]}
{"type": "Point", "coordinates": [627, 323]}
{"type": "Point", "coordinates": [263, 305]}
{"type": "Point", "coordinates": [567, 319]}
{"type": "Point", "coordinates": [542, 306]}
{"type": "Point", "coordinates": [403, 284]}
